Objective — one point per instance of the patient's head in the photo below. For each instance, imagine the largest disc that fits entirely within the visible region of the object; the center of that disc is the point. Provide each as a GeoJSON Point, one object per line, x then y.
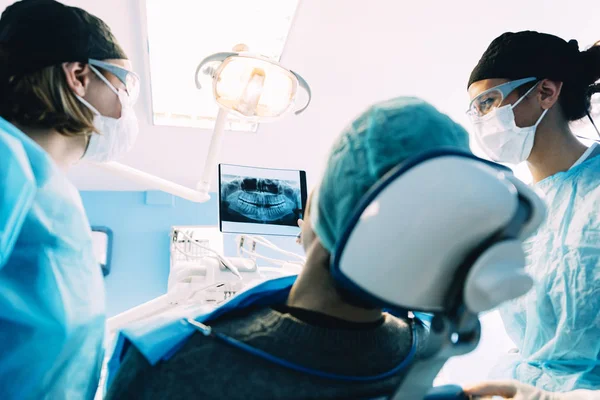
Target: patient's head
{"type": "Point", "coordinates": [384, 136]}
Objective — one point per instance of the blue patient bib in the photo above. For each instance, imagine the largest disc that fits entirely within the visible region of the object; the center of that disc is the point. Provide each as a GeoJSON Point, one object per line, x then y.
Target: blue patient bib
{"type": "Point", "coordinates": [160, 337]}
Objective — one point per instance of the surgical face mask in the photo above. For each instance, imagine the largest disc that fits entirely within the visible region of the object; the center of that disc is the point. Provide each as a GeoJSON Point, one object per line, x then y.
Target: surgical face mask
{"type": "Point", "coordinates": [500, 137]}
{"type": "Point", "coordinates": [116, 136]}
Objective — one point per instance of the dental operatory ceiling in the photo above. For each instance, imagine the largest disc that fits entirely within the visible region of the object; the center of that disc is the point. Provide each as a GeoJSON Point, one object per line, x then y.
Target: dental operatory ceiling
{"type": "Point", "coordinates": [352, 53]}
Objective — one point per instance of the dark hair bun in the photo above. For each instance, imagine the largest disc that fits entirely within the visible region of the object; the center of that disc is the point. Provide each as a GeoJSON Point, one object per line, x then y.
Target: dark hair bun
{"type": "Point", "coordinates": [591, 64]}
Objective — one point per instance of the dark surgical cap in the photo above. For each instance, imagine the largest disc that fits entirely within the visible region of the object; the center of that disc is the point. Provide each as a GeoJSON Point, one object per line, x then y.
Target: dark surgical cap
{"type": "Point", "coordinates": [530, 54]}
{"type": "Point", "coordinates": [35, 34]}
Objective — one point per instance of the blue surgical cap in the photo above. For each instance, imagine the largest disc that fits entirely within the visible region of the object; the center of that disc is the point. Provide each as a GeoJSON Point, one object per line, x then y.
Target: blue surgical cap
{"type": "Point", "coordinates": [386, 135]}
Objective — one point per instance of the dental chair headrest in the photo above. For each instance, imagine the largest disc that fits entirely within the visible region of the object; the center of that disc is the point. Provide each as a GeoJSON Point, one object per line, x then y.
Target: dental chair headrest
{"type": "Point", "coordinates": [441, 230]}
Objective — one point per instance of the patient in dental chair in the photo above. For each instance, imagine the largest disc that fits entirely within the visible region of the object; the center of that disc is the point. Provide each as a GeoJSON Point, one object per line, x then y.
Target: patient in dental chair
{"type": "Point", "coordinates": [318, 327]}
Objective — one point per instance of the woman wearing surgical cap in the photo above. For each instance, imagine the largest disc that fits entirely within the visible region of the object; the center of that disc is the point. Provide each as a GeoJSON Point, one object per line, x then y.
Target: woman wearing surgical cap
{"type": "Point", "coordinates": [66, 92]}
{"type": "Point", "coordinates": [525, 91]}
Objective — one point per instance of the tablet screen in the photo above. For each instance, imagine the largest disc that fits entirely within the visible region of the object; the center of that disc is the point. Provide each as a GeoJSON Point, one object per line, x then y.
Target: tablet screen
{"type": "Point", "coordinates": [260, 200]}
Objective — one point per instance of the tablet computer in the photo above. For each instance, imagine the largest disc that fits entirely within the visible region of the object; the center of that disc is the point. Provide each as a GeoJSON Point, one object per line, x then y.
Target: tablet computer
{"type": "Point", "coordinates": [261, 201]}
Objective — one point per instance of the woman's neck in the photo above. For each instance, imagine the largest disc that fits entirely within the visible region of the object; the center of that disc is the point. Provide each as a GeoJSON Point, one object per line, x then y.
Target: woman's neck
{"type": "Point", "coordinates": [555, 151]}
{"type": "Point", "coordinates": [64, 150]}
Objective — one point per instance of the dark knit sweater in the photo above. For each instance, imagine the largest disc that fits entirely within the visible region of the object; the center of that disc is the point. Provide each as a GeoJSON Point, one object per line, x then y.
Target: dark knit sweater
{"type": "Point", "coordinates": [206, 368]}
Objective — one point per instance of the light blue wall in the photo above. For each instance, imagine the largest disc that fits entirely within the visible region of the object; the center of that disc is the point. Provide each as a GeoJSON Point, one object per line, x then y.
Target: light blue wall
{"type": "Point", "coordinates": [141, 225]}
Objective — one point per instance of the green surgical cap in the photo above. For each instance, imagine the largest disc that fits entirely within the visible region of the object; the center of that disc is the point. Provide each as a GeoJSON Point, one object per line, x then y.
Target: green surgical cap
{"type": "Point", "coordinates": [384, 136]}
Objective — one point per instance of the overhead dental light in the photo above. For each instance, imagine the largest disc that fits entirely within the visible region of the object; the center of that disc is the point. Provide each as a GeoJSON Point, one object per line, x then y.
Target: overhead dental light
{"type": "Point", "coordinates": [250, 86]}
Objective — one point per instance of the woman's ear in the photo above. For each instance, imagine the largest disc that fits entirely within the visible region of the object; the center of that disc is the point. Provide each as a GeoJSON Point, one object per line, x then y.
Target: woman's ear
{"type": "Point", "coordinates": [77, 76]}
{"type": "Point", "coordinates": [549, 92]}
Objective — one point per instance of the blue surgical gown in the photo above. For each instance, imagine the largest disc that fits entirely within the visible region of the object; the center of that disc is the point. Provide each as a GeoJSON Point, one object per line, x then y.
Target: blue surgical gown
{"type": "Point", "coordinates": [51, 287]}
{"type": "Point", "coordinates": [556, 326]}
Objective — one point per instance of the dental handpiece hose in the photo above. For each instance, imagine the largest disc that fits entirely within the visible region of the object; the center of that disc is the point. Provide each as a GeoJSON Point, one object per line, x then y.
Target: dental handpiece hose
{"type": "Point", "coordinates": [214, 150]}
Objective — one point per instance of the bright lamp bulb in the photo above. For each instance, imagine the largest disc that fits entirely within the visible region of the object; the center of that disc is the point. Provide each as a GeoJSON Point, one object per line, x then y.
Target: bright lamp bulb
{"type": "Point", "coordinates": [252, 93]}
{"type": "Point", "coordinates": [255, 87]}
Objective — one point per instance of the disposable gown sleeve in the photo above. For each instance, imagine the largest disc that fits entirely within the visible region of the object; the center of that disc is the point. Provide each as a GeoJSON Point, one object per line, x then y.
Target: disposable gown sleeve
{"type": "Point", "coordinates": [572, 289]}
{"type": "Point", "coordinates": [16, 193]}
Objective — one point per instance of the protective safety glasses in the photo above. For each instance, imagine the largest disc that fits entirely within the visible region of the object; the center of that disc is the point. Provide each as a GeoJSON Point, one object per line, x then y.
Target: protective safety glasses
{"type": "Point", "coordinates": [253, 86]}
{"type": "Point", "coordinates": [492, 98]}
{"type": "Point", "coordinates": [129, 78]}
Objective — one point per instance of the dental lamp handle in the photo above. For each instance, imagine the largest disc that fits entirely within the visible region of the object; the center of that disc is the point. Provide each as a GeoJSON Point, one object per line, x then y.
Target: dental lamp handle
{"type": "Point", "coordinates": [214, 150]}
{"type": "Point", "coordinates": [153, 182]}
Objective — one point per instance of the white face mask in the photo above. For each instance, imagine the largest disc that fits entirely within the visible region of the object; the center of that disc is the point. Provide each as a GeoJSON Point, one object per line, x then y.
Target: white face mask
{"type": "Point", "coordinates": [500, 137]}
{"type": "Point", "coordinates": [116, 136]}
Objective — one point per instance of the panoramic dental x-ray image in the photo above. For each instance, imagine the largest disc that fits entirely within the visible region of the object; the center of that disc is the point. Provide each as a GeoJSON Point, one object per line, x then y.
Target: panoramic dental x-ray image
{"type": "Point", "coordinates": [260, 200]}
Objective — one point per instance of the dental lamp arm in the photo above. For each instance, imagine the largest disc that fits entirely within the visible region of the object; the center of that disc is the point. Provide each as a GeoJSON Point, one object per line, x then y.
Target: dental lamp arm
{"type": "Point", "coordinates": [155, 182]}
{"type": "Point", "coordinates": [214, 150]}
{"type": "Point", "coordinates": [200, 195]}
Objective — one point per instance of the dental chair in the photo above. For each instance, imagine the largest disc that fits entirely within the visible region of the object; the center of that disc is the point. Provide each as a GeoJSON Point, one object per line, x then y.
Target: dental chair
{"type": "Point", "coordinates": [440, 234]}
{"type": "Point", "coordinates": [446, 231]}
